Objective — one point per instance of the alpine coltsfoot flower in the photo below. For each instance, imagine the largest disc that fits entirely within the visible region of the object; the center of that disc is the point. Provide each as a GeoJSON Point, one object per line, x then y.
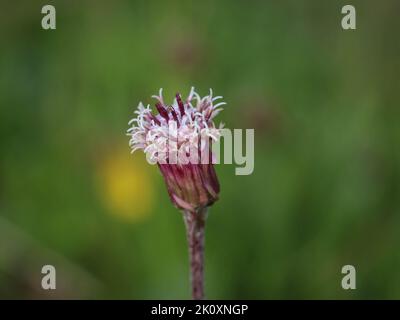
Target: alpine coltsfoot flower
{"type": "Point", "coordinates": [179, 140]}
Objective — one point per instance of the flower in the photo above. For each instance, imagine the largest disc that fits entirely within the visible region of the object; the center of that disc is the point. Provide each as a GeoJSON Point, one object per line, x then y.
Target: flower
{"type": "Point", "coordinates": [125, 185]}
{"type": "Point", "coordinates": [179, 140]}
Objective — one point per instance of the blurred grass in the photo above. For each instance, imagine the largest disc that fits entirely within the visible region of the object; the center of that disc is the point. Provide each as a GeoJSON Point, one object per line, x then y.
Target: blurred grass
{"type": "Point", "coordinates": [324, 105]}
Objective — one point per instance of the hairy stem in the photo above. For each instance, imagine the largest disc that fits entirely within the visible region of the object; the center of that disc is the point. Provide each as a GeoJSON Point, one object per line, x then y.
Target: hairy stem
{"type": "Point", "coordinates": [195, 223]}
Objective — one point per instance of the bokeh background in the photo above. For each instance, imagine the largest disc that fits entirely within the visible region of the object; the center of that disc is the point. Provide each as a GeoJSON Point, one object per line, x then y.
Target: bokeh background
{"type": "Point", "coordinates": [324, 104]}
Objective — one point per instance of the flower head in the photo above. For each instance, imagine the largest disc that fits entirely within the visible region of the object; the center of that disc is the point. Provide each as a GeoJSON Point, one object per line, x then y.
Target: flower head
{"type": "Point", "coordinates": [179, 139]}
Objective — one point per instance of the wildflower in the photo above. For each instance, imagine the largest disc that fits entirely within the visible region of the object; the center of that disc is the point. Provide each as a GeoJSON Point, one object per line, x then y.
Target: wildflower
{"type": "Point", "coordinates": [179, 140]}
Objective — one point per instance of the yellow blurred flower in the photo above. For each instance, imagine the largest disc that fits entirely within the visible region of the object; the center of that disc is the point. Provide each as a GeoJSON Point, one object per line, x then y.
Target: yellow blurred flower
{"type": "Point", "coordinates": [126, 185]}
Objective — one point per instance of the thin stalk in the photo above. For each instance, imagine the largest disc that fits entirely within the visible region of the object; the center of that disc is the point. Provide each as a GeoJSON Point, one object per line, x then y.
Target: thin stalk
{"type": "Point", "coordinates": [195, 224]}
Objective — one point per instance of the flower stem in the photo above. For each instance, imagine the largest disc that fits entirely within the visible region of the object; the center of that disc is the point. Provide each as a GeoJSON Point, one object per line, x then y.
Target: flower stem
{"type": "Point", "coordinates": [195, 223]}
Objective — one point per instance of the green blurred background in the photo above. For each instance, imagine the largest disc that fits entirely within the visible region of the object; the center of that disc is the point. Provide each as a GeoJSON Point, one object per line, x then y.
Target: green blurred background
{"type": "Point", "coordinates": [324, 104]}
